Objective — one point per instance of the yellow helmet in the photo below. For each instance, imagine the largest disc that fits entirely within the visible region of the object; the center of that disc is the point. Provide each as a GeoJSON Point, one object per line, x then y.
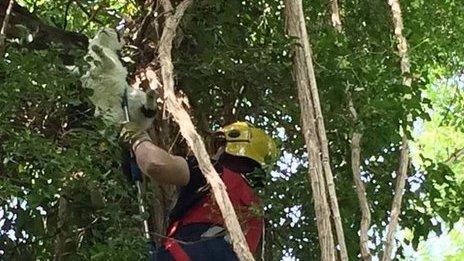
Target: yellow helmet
{"type": "Point", "coordinates": [243, 139]}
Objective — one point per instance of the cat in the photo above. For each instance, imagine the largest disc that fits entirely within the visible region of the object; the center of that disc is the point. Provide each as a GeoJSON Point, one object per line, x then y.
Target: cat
{"type": "Point", "coordinates": [107, 78]}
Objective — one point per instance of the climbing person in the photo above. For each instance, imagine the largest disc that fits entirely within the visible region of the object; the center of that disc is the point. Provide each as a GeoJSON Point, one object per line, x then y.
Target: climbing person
{"type": "Point", "coordinates": [196, 228]}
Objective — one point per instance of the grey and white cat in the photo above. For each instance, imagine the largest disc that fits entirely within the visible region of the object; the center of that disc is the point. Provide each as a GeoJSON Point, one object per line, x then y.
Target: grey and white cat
{"type": "Point", "coordinates": [107, 78]}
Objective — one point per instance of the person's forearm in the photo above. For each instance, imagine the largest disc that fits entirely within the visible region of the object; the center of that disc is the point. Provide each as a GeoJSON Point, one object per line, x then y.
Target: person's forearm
{"type": "Point", "coordinates": [160, 165]}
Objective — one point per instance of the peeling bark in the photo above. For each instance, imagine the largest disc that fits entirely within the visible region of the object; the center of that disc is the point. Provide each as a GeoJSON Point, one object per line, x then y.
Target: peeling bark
{"type": "Point", "coordinates": [195, 142]}
{"type": "Point", "coordinates": [302, 65]}
{"type": "Point", "coordinates": [320, 129]}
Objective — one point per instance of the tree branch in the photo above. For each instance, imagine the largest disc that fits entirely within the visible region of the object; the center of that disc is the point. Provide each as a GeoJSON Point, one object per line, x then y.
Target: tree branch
{"type": "Point", "coordinates": [6, 18]}
{"type": "Point", "coordinates": [66, 12]}
{"type": "Point", "coordinates": [457, 154]}
{"type": "Point", "coordinates": [404, 155]}
{"type": "Point", "coordinates": [188, 131]}
{"type": "Point", "coordinates": [23, 22]}
{"type": "Point", "coordinates": [396, 204]}
{"type": "Point", "coordinates": [140, 33]}
{"type": "Point", "coordinates": [402, 44]}
{"type": "Point", "coordinates": [91, 16]}
{"type": "Point", "coordinates": [304, 77]}
{"type": "Point", "coordinates": [320, 129]}
{"type": "Point", "coordinates": [336, 21]}
{"type": "Point", "coordinates": [359, 185]}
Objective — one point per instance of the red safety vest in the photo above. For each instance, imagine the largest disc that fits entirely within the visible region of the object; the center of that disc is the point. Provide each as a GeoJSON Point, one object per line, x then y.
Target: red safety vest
{"type": "Point", "coordinates": [206, 211]}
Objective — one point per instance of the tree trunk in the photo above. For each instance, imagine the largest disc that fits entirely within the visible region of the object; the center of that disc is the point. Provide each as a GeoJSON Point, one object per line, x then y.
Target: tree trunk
{"type": "Point", "coordinates": [295, 27]}
{"type": "Point", "coordinates": [60, 240]}
{"type": "Point", "coordinates": [361, 192]}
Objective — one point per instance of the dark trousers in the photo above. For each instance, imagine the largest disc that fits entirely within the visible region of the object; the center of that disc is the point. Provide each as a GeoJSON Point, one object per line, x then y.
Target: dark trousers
{"type": "Point", "coordinates": [198, 248]}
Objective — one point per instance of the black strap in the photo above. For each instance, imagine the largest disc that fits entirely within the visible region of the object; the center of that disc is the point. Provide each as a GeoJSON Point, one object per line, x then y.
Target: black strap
{"type": "Point", "coordinates": [192, 193]}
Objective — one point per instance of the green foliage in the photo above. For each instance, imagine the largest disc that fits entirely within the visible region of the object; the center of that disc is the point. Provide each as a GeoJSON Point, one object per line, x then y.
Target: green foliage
{"type": "Point", "coordinates": [80, 16]}
{"type": "Point", "coordinates": [437, 148]}
{"type": "Point", "coordinates": [228, 46]}
{"type": "Point", "coordinates": [442, 138]}
{"type": "Point", "coordinates": [54, 148]}
{"type": "Point", "coordinates": [233, 61]}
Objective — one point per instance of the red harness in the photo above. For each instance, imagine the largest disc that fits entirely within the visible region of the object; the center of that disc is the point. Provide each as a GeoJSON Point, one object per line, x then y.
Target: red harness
{"type": "Point", "coordinates": [206, 211]}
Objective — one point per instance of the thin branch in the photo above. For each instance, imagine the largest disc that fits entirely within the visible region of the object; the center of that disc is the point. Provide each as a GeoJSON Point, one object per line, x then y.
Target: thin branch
{"type": "Point", "coordinates": [6, 18]}
{"type": "Point", "coordinates": [336, 21]}
{"type": "Point", "coordinates": [83, 8]}
{"type": "Point", "coordinates": [174, 142]}
{"type": "Point", "coordinates": [396, 204]}
{"type": "Point", "coordinates": [188, 131]}
{"type": "Point", "coordinates": [138, 35]}
{"type": "Point", "coordinates": [360, 190]}
{"type": "Point", "coordinates": [457, 154]}
{"type": "Point", "coordinates": [66, 12]}
{"type": "Point", "coordinates": [456, 95]}
{"type": "Point", "coordinates": [402, 44]}
{"type": "Point", "coordinates": [91, 16]}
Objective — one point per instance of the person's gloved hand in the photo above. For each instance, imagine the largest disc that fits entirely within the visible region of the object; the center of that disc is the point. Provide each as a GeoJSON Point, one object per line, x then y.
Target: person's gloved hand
{"type": "Point", "coordinates": [132, 135]}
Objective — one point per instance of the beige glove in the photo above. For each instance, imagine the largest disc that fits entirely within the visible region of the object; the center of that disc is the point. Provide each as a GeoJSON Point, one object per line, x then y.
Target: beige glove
{"type": "Point", "coordinates": [132, 135]}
